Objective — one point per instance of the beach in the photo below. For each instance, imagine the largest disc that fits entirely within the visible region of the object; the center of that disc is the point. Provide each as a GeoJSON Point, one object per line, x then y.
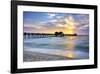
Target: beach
{"type": "Point", "coordinates": [56, 48]}
{"type": "Point", "coordinates": [36, 56]}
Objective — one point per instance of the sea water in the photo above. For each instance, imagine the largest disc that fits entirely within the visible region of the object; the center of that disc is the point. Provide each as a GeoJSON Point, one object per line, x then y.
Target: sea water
{"type": "Point", "coordinates": [75, 47]}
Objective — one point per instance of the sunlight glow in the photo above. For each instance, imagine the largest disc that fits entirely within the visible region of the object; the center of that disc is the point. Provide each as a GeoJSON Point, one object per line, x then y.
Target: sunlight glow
{"type": "Point", "coordinates": [70, 29]}
{"type": "Point", "coordinates": [70, 47]}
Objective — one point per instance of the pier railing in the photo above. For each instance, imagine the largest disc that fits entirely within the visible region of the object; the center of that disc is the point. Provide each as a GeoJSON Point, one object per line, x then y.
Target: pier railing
{"type": "Point", "coordinates": [37, 35]}
{"type": "Point", "coordinates": [44, 35]}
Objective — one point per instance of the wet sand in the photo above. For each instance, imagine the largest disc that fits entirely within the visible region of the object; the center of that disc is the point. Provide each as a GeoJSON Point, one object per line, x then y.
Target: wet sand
{"type": "Point", "coordinates": [35, 56]}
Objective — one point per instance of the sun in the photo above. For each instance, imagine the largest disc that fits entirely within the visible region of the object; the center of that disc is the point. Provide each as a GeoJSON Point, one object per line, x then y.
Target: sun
{"type": "Point", "coordinates": [70, 29]}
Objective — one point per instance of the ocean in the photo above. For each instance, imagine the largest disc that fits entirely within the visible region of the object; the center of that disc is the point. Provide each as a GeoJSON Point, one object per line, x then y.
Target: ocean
{"type": "Point", "coordinates": [71, 47]}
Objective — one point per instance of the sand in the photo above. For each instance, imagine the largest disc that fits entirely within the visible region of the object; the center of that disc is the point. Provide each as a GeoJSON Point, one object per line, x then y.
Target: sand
{"type": "Point", "coordinates": [35, 56]}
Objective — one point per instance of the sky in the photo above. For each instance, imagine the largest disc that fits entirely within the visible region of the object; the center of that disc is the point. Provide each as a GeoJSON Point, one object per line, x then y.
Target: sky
{"type": "Point", "coordinates": [51, 22]}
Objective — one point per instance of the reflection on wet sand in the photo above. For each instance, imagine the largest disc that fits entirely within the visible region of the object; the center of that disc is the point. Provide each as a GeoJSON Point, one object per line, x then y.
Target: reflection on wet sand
{"type": "Point", "coordinates": [69, 51]}
{"type": "Point", "coordinates": [70, 47]}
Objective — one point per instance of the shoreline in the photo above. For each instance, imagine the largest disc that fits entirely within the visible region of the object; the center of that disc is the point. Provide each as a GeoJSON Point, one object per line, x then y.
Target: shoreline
{"type": "Point", "coordinates": [29, 56]}
{"type": "Point", "coordinates": [36, 56]}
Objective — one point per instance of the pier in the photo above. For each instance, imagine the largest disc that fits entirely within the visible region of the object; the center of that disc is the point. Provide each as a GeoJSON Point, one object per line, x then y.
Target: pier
{"type": "Point", "coordinates": [37, 35]}
{"type": "Point", "coordinates": [44, 35]}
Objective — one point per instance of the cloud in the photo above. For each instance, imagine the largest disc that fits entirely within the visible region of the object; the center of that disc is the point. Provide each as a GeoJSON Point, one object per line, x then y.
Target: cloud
{"type": "Point", "coordinates": [59, 17]}
{"type": "Point", "coordinates": [51, 15]}
{"type": "Point", "coordinates": [34, 26]}
{"type": "Point", "coordinates": [53, 20]}
{"type": "Point", "coordinates": [59, 23]}
{"type": "Point", "coordinates": [83, 19]}
{"type": "Point", "coordinates": [70, 20]}
{"type": "Point", "coordinates": [83, 27]}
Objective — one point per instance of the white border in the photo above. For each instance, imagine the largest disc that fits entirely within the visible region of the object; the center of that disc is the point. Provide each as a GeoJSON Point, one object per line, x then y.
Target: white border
{"type": "Point", "coordinates": [21, 64]}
